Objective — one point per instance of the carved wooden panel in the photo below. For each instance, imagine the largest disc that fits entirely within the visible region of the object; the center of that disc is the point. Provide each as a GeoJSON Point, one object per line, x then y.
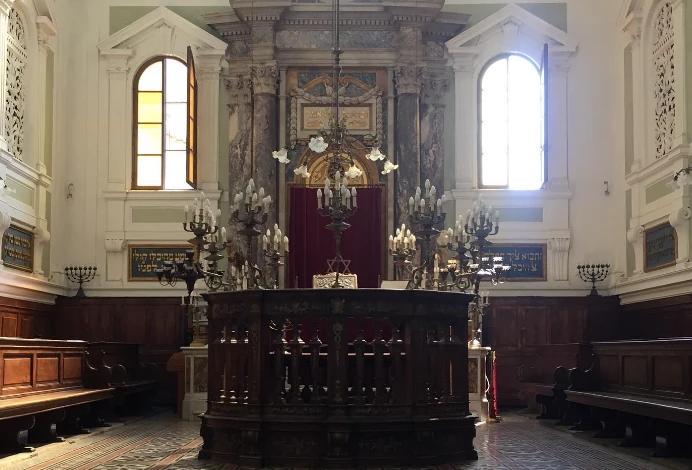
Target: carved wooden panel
{"type": "Point", "coordinates": [16, 370]}
{"type": "Point", "coordinates": [47, 368]}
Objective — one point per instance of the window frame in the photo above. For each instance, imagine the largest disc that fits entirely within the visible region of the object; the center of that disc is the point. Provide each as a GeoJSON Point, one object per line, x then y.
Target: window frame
{"type": "Point", "coordinates": [543, 75]}
{"type": "Point", "coordinates": [135, 122]}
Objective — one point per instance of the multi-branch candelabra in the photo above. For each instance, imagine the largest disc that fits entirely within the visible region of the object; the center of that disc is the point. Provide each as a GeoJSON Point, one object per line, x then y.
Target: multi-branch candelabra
{"type": "Point", "coordinates": [81, 275]}
{"type": "Point", "coordinates": [274, 248]}
{"type": "Point", "coordinates": [337, 204]}
{"type": "Point", "coordinates": [402, 248]}
{"type": "Point", "coordinates": [425, 212]}
{"type": "Point", "coordinates": [593, 273]}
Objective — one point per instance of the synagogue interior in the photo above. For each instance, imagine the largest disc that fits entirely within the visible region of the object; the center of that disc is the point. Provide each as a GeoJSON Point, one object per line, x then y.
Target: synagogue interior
{"type": "Point", "coordinates": [331, 234]}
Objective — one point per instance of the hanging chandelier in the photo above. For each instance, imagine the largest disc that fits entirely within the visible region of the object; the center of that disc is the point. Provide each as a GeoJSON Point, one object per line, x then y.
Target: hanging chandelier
{"type": "Point", "coordinates": [336, 142]}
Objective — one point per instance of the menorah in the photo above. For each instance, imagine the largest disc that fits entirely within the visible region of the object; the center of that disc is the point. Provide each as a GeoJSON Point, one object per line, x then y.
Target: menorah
{"type": "Point", "coordinates": [402, 248]}
{"type": "Point", "coordinates": [593, 273]}
{"type": "Point", "coordinates": [82, 275]}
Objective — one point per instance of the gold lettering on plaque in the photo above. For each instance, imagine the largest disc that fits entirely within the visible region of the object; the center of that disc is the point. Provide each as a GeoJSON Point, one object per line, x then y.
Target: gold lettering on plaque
{"type": "Point", "coordinates": [357, 118]}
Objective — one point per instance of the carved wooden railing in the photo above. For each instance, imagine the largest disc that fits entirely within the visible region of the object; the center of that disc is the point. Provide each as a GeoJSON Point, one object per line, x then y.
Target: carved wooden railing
{"type": "Point", "coordinates": [315, 355]}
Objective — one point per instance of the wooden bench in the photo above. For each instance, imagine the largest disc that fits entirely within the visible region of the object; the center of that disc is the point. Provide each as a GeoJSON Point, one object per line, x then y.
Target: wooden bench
{"type": "Point", "coordinates": [640, 390]}
{"type": "Point", "coordinates": [537, 379]}
{"type": "Point", "coordinates": [45, 382]}
{"type": "Point", "coordinates": [135, 383]}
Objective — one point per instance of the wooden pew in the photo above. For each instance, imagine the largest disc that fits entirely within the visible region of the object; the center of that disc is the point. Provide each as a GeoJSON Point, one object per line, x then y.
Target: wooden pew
{"type": "Point", "coordinates": [537, 381]}
{"type": "Point", "coordinates": [135, 383]}
{"type": "Point", "coordinates": [637, 389]}
{"type": "Point", "coordinates": [45, 382]}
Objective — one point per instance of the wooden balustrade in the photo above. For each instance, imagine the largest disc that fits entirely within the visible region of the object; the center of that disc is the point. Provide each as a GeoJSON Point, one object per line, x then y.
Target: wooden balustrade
{"type": "Point", "coordinates": [342, 395]}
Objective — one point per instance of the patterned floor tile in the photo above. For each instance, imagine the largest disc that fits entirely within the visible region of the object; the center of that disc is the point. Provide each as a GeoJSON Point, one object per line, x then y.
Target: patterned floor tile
{"type": "Point", "coordinates": [164, 443]}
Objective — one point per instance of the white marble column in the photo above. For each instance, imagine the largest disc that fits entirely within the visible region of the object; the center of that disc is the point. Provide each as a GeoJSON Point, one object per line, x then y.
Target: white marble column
{"type": "Point", "coordinates": [208, 69]}
{"type": "Point", "coordinates": [116, 61]}
{"type": "Point", "coordinates": [5, 7]}
{"type": "Point", "coordinates": [465, 113]}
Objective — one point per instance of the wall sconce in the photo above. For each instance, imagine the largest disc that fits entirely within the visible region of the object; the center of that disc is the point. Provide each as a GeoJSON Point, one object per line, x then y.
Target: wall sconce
{"type": "Point", "coordinates": [69, 190]}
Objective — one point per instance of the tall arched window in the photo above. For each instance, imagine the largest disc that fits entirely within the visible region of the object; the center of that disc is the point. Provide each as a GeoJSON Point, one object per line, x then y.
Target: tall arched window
{"type": "Point", "coordinates": [15, 97]}
{"type": "Point", "coordinates": [511, 124]}
{"type": "Point", "coordinates": [163, 125]}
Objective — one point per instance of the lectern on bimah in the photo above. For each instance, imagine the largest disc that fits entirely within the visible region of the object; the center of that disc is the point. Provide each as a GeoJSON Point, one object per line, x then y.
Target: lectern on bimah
{"type": "Point", "coordinates": [338, 378]}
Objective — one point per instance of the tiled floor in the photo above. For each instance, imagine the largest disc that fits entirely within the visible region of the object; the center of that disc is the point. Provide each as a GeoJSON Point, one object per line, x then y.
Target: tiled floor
{"type": "Point", "coordinates": [162, 442]}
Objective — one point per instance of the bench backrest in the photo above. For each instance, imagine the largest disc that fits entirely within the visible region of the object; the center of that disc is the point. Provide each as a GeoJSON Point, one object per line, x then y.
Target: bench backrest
{"type": "Point", "coordinates": [544, 359]}
{"type": "Point", "coordinates": [116, 353]}
{"type": "Point", "coordinates": [652, 368]}
{"type": "Point", "coordinates": [32, 366]}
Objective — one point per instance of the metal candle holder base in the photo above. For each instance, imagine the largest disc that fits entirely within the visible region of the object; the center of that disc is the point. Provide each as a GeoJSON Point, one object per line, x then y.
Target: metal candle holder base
{"type": "Point", "coordinates": [593, 273]}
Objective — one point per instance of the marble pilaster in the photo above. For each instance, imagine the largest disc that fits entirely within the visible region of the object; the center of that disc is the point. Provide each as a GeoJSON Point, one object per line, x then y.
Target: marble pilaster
{"type": "Point", "coordinates": [265, 79]}
{"type": "Point", "coordinates": [432, 123]}
{"type": "Point", "coordinates": [407, 80]}
{"type": "Point", "coordinates": [5, 7]}
{"type": "Point", "coordinates": [240, 143]}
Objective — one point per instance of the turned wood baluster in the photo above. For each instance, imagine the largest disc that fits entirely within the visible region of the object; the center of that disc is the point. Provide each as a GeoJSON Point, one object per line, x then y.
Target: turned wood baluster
{"type": "Point", "coordinates": [279, 344]}
{"type": "Point", "coordinates": [359, 345]}
{"type": "Point", "coordinates": [396, 346]}
{"type": "Point", "coordinates": [231, 357]}
{"type": "Point", "coordinates": [443, 345]}
{"type": "Point", "coordinates": [241, 353]}
{"type": "Point", "coordinates": [315, 345]}
{"type": "Point", "coordinates": [379, 346]}
{"type": "Point", "coordinates": [433, 393]}
{"type": "Point", "coordinates": [296, 347]}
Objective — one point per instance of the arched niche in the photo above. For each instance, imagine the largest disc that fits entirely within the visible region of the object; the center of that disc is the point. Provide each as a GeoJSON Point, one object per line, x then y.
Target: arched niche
{"type": "Point", "coordinates": [318, 164]}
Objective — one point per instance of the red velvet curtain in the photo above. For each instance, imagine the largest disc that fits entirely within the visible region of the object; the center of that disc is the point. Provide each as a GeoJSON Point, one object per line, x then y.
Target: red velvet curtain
{"type": "Point", "coordinates": [312, 244]}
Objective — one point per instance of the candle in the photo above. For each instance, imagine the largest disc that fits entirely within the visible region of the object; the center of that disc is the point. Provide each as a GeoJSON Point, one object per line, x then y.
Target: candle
{"type": "Point", "coordinates": [264, 242]}
{"type": "Point", "coordinates": [391, 242]}
{"type": "Point", "coordinates": [450, 232]}
{"type": "Point", "coordinates": [286, 244]}
{"type": "Point", "coordinates": [254, 199]}
{"type": "Point", "coordinates": [410, 205]}
{"type": "Point", "coordinates": [261, 192]}
{"type": "Point", "coordinates": [223, 233]}
{"type": "Point", "coordinates": [439, 206]}
{"type": "Point", "coordinates": [319, 199]}
{"type": "Point", "coordinates": [354, 194]}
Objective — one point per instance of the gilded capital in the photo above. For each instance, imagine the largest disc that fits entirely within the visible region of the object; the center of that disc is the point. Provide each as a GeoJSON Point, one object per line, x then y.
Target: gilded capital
{"type": "Point", "coordinates": [408, 79]}
{"type": "Point", "coordinates": [265, 79]}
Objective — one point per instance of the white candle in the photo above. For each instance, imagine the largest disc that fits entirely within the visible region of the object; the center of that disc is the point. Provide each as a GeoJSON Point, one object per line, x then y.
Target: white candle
{"type": "Point", "coordinates": [391, 242]}
{"type": "Point", "coordinates": [285, 243]}
{"type": "Point", "coordinates": [410, 205]}
{"type": "Point", "coordinates": [223, 233]}
{"type": "Point", "coordinates": [439, 207]}
{"type": "Point", "coordinates": [264, 242]}
{"type": "Point", "coordinates": [354, 195]}
{"type": "Point", "coordinates": [186, 209]}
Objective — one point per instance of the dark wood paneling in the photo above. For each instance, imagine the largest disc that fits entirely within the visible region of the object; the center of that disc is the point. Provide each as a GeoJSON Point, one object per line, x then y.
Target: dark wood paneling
{"type": "Point", "coordinates": [516, 326]}
{"type": "Point", "coordinates": [155, 323]}
{"type": "Point", "coordinates": [24, 319]}
{"type": "Point", "coordinates": [661, 318]}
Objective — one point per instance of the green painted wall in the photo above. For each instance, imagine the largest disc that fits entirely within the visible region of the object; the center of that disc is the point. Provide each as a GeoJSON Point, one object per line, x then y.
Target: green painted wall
{"type": "Point", "coordinates": [553, 13]}
{"type": "Point", "coordinates": [50, 74]}
{"type": "Point", "coordinates": [658, 190]}
{"type": "Point", "coordinates": [45, 261]}
{"type": "Point", "coordinates": [123, 16]}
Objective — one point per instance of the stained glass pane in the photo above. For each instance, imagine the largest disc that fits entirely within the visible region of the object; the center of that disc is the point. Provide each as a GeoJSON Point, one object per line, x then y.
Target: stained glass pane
{"type": "Point", "coordinates": [149, 170]}
{"type": "Point", "coordinates": [176, 81]}
{"type": "Point", "coordinates": [149, 106]}
{"type": "Point", "coordinates": [152, 78]}
{"type": "Point", "coordinates": [175, 172]}
{"type": "Point", "coordinates": [149, 139]}
{"type": "Point", "coordinates": [176, 126]}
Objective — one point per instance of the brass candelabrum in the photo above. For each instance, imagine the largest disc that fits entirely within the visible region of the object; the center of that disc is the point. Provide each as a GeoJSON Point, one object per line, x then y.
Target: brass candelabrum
{"type": "Point", "coordinates": [425, 212]}
{"type": "Point", "coordinates": [338, 204]}
{"type": "Point", "coordinates": [81, 275]}
{"type": "Point", "coordinates": [251, 210]}
{"type": "Point", "coordinates": [593, 273]}
{"type": "Point", "coordinates": [274, 249]}
{"type": "Point", "coordinates": [402, 248]}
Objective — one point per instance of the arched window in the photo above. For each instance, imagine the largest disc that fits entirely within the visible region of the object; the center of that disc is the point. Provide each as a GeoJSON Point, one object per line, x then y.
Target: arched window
{"type": "Point", "coordinates": [15, 97]}
{"type": "Point", "coordinates": [511, 124]}
{"type": "Point", "coordinates": [164, 125]}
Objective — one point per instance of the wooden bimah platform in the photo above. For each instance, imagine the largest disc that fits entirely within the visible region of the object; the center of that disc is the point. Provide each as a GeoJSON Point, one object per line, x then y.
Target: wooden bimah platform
{"type": "Point", "coordinates": [342, 398]}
